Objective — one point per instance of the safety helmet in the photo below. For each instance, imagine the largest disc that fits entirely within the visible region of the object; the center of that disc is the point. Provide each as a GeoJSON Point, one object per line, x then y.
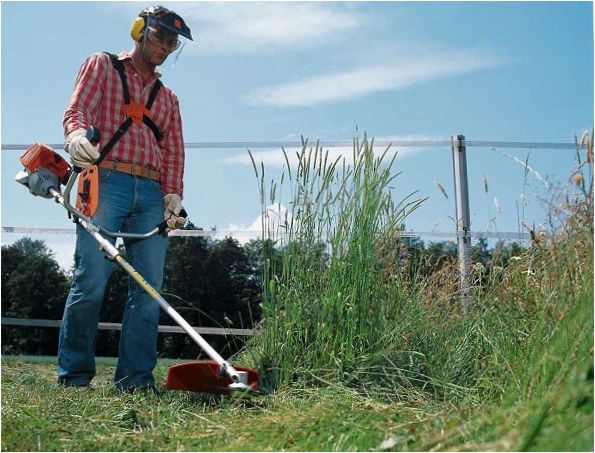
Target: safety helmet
{"type": "Point", "coordinates": [160, 17]}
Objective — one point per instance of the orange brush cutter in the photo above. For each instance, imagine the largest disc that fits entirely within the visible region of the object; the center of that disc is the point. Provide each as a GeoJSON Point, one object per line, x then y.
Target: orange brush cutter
{"type": "Point", "coordinates": [45, 171]}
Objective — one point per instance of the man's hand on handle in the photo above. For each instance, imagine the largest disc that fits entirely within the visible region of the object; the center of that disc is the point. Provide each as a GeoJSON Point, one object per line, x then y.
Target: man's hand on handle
{"type": "Point", "coordinates": [82, 152]}
{"type": "Point", "coordinates": [172, 204]}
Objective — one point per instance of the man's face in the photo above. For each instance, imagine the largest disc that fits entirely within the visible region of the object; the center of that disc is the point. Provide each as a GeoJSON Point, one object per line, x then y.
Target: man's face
{"type": "Point", "coordinates": [159, 43]}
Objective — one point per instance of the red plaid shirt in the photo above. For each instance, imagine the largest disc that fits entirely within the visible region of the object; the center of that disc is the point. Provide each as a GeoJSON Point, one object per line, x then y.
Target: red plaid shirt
{"type": "Point", "coordinates": [98, 100]}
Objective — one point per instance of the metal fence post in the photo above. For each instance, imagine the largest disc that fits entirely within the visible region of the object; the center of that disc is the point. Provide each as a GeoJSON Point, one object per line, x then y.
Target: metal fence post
{"type": "Point", "coordinates": [459, 165]}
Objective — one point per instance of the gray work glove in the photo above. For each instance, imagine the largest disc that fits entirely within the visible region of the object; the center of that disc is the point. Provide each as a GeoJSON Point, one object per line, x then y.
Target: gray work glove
{"type": "Point", "coordinates": [172, 205]}
{"type": "Point", "coordinates": [82, 152]}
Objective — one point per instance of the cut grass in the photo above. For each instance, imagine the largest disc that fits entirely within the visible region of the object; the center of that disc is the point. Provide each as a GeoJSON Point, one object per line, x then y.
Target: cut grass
{"type": "Point", "coordinates": [38, 415]}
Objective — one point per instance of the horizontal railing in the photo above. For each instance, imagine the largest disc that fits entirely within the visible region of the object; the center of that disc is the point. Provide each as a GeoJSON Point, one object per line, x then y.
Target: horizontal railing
{"type": "Point", "coordinates": [117, 326]}
{"type": "Point", "coordinates": [202, 233]}
{"type": "Point", "coordinates": [348, 143]}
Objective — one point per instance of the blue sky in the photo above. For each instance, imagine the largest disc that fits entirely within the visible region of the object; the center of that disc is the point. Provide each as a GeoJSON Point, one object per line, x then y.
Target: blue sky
{"type": "Point", "coordinates": [506, 71]}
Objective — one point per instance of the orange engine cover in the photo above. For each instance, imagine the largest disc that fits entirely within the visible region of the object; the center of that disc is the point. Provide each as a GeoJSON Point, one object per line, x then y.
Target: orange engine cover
{"type": "Point", "coordinates": [40, 155]}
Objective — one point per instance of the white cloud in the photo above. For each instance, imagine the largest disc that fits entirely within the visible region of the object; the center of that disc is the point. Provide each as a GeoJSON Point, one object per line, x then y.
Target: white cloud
{"type": "Point", "coordinates": [64, 254]}
{"type": "Point", "coordinates": [360, 81]}
{"type": "Point", "coordinates": [251, 27]}
{"type": "Point", "coordinates": [275, 158]}
{"type": "Point", "coordinates": [273, 217]}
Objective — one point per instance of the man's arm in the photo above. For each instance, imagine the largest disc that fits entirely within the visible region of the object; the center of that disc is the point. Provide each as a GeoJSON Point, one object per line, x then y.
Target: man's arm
{"type": "Point", "coordinates": [172, 144]}
{"type": "Point", "coordinates": [172, 169]}
{"type": "Point", "coordinates": [83, 109]}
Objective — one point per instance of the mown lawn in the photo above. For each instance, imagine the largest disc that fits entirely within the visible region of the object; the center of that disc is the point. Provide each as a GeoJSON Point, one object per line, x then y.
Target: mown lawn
{"type": "Point", "coordinates": [39, 416]}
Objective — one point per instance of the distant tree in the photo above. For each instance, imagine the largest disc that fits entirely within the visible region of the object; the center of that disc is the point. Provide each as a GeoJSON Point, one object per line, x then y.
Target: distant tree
{"type": "Point", "coordinates": [186, 276]}
{"type": "Point", "coordinates": [502, 252]}
{"type": "Point", "coordinates": [186, 287]}
{"type": "Point", "coordinates": [264, 256]}
{"type": "Point", "coordinates": [480, 252]}
{"type": "Point", "coordinates": [235, 283]}
{"type": "Point", "coordinates": [33, 286]}
{"type": "Point", "coordinates": [438, 254]}
{"type": "Point", "coordinates": [409, 256]}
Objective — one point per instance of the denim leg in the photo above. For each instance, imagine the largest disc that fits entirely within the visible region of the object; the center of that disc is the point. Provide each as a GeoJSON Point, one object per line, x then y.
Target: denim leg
{"type": "Point", "coordinates": [76, 350]}
{"type": "Point", "coordinates": [137, 354]}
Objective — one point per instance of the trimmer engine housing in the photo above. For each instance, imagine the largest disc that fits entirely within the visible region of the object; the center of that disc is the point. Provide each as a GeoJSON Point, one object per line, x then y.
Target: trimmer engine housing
{"type": "Point", "coordinates": [44, 169]}
{"type": "Point", "coordinates": [40, 155]}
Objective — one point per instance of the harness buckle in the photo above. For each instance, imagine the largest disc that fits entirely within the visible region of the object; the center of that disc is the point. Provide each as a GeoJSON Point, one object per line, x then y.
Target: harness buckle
{"type": "Point", "coordinates": [136, 112]}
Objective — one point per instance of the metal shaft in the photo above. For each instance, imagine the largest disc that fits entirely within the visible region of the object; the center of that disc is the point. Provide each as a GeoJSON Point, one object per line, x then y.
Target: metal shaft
{"type": "Point", "coordinates": [173, 313]}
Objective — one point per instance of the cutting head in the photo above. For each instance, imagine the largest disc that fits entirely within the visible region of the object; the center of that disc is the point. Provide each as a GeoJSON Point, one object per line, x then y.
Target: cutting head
{"type": "Point", "coordinates": [206, 377]}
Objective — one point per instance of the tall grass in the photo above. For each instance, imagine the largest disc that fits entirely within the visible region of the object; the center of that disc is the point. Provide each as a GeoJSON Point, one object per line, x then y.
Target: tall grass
{"type": "Point", "coordinates": [330, 307]}
{"type": "Point", "coordinates": [339, 310]}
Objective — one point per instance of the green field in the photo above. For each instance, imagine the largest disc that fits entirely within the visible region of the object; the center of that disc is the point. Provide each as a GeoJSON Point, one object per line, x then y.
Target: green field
{"type": "Point", "coordinates": [357, 354]}
{"type": "Point", "coordinates": [555, 413]}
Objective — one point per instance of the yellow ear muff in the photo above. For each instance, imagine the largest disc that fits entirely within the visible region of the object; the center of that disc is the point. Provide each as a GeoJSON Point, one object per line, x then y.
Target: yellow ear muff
{"type": "Point", "coordinates": [137, 28]}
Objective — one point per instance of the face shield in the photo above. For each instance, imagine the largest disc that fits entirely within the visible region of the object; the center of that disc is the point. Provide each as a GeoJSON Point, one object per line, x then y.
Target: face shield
{"type": "Point", "coordinates": [167, 30]}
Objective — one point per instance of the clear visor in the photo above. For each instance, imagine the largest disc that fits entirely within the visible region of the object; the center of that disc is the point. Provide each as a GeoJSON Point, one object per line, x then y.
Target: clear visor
{"type": "Point", "coordinates": [157, 35]}
{"type": "Point", "coordinates": [161, 36]}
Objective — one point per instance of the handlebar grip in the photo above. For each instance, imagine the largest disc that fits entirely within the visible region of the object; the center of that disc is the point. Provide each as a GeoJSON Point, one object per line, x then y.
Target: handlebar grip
{"type": "Point", "coordinates": [93, 135]}
{"type": "Point", "coordinates": [163, 225]}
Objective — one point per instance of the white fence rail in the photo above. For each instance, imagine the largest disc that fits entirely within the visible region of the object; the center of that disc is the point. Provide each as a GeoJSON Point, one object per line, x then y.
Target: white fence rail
{"type": "Point", "coordinates": [519, 236]}
{"type": "Point", "coordinates": [116, 326]}
{"type": "Point", "coordinates": [343, 143]}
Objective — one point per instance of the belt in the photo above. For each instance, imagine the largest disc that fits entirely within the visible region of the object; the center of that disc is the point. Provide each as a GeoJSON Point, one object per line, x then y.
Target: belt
{"type": "Point", "coordinates": [132, 169]}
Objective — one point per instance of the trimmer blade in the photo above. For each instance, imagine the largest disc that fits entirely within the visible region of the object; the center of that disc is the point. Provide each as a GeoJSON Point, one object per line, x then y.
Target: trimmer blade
{"type": "Point", "coordinates": [205, 377]}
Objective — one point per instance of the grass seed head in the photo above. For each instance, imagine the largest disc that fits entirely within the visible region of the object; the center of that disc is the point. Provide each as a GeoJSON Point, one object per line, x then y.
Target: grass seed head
{"type": "Point", "coordinates": [442, 189]}
{"type": "Point", "coordinates": [577, 179]}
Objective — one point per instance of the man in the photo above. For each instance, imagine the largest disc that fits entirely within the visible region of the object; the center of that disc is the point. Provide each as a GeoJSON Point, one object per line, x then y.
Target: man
{"type": "Point", "coordinates": [141, 155]}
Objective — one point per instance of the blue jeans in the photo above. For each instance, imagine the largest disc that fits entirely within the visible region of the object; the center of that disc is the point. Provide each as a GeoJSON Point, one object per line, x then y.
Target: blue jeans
{"type": "Point", "coordinates": [129, 204]}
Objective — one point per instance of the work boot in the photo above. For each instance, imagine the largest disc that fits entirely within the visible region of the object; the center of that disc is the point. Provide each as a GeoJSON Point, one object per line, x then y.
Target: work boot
{"type": "Point", "coordinates": [76, 387]}
{"type": "Point", "coordinates": [146, 390]}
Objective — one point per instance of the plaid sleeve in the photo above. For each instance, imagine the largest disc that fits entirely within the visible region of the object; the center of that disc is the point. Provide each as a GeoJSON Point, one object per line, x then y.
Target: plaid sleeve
{"type": "Point", "coordinates": [83, 109]}
{"type": "Point", "coordinates": [172, 145]}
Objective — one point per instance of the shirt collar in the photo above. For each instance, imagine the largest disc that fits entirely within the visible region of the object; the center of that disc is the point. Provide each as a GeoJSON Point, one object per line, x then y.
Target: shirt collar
{"type": "Point", "coordinates": [125, 56]}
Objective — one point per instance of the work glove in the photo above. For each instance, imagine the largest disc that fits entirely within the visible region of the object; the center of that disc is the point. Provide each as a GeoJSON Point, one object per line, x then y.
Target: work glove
{"type": "Point", "coordinates": [172, 204]}
{"type": "Point", "coordinates": [82, 152]}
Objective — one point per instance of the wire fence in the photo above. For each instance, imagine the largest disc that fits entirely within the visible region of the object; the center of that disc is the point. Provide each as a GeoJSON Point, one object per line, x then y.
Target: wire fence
{"type": "Point", "coordinates": [457, 234]}
{"type": "Point", "coordinates": [348, 143]}
{"type": "Point", "coordinates": [518, 236]}
{"type": "Point", "coordinates": [255, 234]}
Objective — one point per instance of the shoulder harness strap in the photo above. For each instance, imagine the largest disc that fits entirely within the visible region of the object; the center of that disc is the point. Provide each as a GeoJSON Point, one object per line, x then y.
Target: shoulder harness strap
{"type": "Point", "coordinates": [146, 119]}
{"type": "Point", "coordinates": [119, 66]}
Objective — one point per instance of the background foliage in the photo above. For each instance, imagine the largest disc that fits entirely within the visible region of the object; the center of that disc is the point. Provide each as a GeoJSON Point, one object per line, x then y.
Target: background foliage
{"type": "Point", "coordinates": [211, 283]}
